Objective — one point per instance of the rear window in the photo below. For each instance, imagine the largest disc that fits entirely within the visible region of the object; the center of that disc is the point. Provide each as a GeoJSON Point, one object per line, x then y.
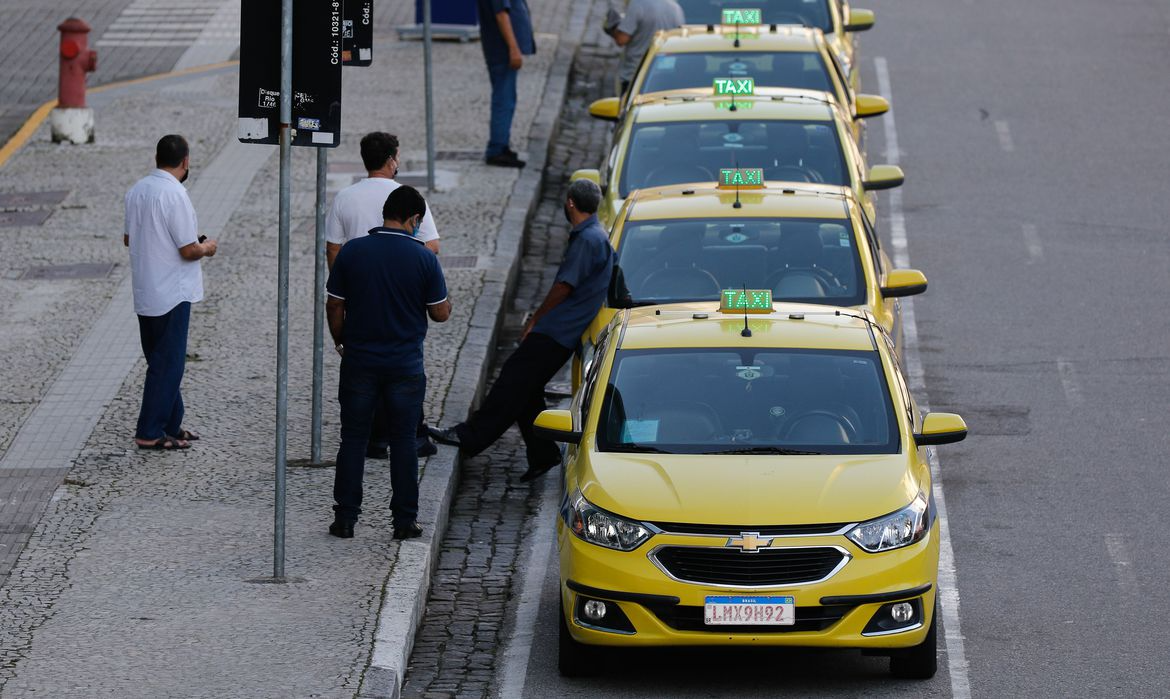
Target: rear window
{"type": "Point", "coordinates": [802, 70]}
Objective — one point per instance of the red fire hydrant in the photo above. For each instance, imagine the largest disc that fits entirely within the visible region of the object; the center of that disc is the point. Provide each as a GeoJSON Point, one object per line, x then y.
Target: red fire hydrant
{"type": "Point", "coordinates": [71, 120]}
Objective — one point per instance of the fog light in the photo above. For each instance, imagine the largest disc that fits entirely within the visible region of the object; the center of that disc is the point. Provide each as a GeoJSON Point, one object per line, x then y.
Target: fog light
{"type": "Point", "coordinates": [902, 612]}
{"type": "Point", "coordinates": [594, 610]}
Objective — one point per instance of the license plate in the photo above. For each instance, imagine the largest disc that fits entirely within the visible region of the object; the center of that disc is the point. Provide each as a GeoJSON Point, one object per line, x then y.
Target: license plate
{"type": "Point", "coordinates": [750, 611]}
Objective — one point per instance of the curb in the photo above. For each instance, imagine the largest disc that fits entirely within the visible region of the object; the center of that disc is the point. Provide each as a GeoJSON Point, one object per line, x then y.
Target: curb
{"type": "Point", "coordinates": [408, 586]}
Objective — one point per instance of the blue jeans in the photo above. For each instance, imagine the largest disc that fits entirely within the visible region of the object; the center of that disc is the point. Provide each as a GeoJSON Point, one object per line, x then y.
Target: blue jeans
{"type": "Point", "coordinates": [359, 391]}
{"type": "Point", "coordinates": [164, 344]}
{"type": "Point", "coordinates": [503, 81]}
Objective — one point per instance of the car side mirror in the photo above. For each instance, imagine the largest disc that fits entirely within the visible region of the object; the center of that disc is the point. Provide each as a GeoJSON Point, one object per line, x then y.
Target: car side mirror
{"type": "Point", "coordinates": [941, 428]}
{"type": "Point", "coordinates": [860, 20]}
{"type": "Point", "coordinates": [606, 108]}
{"type": "Point", "coordinates": [903, 282]}
{"type": "Point", "coordinates": [884, 177]}
{"type": "Point", "coordinates": [867, 106]}
{"type": "Point", "coordinates": [591, 174]}
{"type": "Point", "coordinates": [556, 425]}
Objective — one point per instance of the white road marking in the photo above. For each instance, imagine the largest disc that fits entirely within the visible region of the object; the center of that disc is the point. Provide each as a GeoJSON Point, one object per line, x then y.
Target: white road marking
{"type": "Point", "coordinates": [1122, 564]}
{"type": "Point", "coordinates": [1005, 136]}
{"type": "Point", "coordinates": [519, 648]}
{"type": "Point", "coordinates": [1032, 241]}
{"type": "Point", "coordinates": [948, 588]}
{"type": "Point", "coordinates": [1070, 382]}
{"type": "Point", "coordinates": [166, 23]}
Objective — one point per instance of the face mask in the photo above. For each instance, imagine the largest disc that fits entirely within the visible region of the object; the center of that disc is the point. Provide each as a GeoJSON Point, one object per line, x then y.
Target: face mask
{"type": "Point", "coordinates": [395, 169]}
{"type": "Point", "coordinates": [186, 174]}
{"type": "Point", "coordinates": [417, 226]}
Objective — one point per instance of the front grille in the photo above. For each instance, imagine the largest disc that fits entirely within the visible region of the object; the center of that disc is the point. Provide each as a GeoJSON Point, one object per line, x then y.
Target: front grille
{"type": "Point", "coordinates": [765, 568]}
{"type": "Point", "coordinates": [762, 530]}
{"type": "Point", "coordinates": [691, 619]}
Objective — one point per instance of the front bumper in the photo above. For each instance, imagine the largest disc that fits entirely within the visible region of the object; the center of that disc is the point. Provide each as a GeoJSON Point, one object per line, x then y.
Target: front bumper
{"type": "Point", "coordinates": [839, 611]}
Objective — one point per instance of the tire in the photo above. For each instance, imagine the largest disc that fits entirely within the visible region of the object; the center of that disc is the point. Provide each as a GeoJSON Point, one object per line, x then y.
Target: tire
{"type": "Point", "coordinates": [919, 662]}
{"type": "Point", "coordinates": [575, 659]}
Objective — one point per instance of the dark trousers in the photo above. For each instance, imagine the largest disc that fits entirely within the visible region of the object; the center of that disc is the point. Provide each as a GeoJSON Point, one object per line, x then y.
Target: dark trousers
{"type": "Point", "coordinates": [380, 430]}
{"type": "Point", "coordinates": [359, 392]}
{"type": "Point", "coordinates": [164, 344]}
{"type": "Point", "coordinates": [517, 396]}
{"type": "Point", "coordinates": [503, 80]}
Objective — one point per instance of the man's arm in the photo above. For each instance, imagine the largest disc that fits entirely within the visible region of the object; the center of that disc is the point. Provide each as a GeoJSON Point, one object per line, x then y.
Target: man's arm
{"type": "Point", "coordinates": [331, 250]}
{"type": "Point", "coordinates": [197, 251]}
{"type": "Point", "coordinates": [440, 312]}
{"type": "Point", "coordinates": [335, 312]}
{"type": "Point", "coordinates": [433, 245]}
{"type": "Point", "coordinates": [619, 37]}
{"type": "Point", "coordinates": [556, 295]}
{"type": "Point", "coordinates": [126, 239]}
{"type": "Point", "coordinates": [504, 21]}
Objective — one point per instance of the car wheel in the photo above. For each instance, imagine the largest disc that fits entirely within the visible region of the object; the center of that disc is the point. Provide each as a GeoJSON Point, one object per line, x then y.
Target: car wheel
{"type": "Point", "coordinates": [575, 659]}
{"type": "Point", "coordinates": [921, 661]}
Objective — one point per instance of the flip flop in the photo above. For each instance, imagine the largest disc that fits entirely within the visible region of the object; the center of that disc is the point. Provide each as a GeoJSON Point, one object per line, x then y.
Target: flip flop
{"type": "Point", "coordinates": [167, 443]}
{"type": "Point", "coordinates": [187, 435]}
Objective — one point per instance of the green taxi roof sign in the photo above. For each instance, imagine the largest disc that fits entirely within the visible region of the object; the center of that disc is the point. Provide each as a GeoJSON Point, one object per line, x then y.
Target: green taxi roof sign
{"type": "Point", "coordinates": [745, 301]}
{"type": "Point", "coordinates": [741, 178]}
{"type": "Point", "coordinates": [742, 16]}
{"type": "Point", "coordinates": [735, 87]}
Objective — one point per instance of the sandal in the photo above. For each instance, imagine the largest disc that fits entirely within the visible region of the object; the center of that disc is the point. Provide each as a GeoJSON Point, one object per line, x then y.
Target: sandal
{"type": "Point", "coordinates": [167, 443]}
{"type": "Point", "coordinates": [187, 435]}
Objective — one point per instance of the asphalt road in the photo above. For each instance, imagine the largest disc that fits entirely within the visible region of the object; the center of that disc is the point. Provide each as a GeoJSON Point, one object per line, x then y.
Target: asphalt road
{"type": "Point", "coordinates": [1033, 137]}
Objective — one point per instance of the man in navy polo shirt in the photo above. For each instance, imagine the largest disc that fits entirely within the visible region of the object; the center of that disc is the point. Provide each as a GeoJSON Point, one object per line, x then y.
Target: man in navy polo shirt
{"type": "Point", "coordinates": [548, 341]}
{"type": "Point", "coordinates": [506, 36]}
{"type": "Point", "coordinates": [382, 288]}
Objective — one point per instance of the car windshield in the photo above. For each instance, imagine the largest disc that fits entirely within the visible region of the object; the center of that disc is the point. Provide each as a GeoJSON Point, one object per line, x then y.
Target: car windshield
{"type": "Point", "coordinates": [808, 260]}
{"type": "Point", "coordinates": [802, 70]}
{"type": "Point", "coordinates": [810, 13]}
{"type": "Point", "coordinates": [665, 153]}
{"type": "Point", "coordinates": [747, 401]}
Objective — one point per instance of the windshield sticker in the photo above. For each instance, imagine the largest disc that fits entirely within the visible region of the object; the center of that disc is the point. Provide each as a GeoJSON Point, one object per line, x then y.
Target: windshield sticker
{"type": "Point", "coordinates": [667, 62]}
{"type": "Point", "coordinates": [777, 411]}
{"type": "Point", "coordinates": [735, 238]}
{"type": "Point", "coordinates": [843, 239]}
{"type": "Point", "coordinates": [738, 68]}
{"type": "Point", "coordinates": [640, 431]}
{"type": "Point", "coordinates": [748, 373]}
{"type": "Point", "coordinates": [732, 137]}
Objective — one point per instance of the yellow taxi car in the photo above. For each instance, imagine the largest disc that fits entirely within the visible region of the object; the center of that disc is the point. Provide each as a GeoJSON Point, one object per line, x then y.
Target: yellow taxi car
{"type": "Point", "coordinates": [806, 243]}
{"type": "Point", "coordinates": [793, 135]}
{"type": "Point", "coordinates": [836, 18]}
{"type": "Point", "coordinates": [692, 58]}
{"type": "Point", "coordinates": [744, 479]}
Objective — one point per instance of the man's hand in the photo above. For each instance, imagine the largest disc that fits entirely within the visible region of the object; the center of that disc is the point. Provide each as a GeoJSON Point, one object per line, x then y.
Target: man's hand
{"type": "Point", "coordinates": [527, 328]}
{"type": "Point", "coordinates": [515, 58]}
{"type": "Point", "coordinates": [504, 22]}
{"type": "Point", "coordinates": [210, 246]}
{"type": "Point", "coordinates": [197, 251]}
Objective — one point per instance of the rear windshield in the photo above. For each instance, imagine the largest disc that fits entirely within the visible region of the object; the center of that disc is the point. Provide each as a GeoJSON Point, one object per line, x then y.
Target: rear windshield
{"type": "Point", "coordinates": [806, 260]}
{"type": "Point", "coordinates": [694, 151]}
{"type": "Point", "coordinates": [721, 401]}
{"type": "Point", "coordinates": [802, 70]}
{"type": "Point", "coordinates": [810, 13]}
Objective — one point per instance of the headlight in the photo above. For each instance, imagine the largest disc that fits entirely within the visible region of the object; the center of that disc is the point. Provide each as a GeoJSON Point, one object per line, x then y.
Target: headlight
{"type": "Point", "coordinates": [599, 527]}
{"type": "Point", "coordinates": [904, 527]}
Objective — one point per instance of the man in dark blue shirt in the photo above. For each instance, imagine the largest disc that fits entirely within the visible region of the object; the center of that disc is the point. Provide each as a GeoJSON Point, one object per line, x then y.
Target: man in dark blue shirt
{"type": "Point", "coordinates": [382, 288]}
{"type": "Point", "coordinates": [548, 341]}
{"type": "Point", "coordinates": [506, 36]}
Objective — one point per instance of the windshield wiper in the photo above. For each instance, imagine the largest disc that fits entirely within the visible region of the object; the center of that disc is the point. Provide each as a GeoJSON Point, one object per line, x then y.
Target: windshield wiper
{"type": "Point", "coordinates": [784, 451]}
{"type": "Point", "coordinates": [637, 449]}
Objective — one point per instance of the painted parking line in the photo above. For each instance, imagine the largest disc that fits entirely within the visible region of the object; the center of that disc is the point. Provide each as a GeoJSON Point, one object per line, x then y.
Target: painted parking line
{"type": "Point", "coordinates": [1070, 381]}
{"type": "Point", "coordinates": [1004, 132]}
{"type": "Point", "coordinates": [1032, 242]}
{"type": "Point", "coordinates": [948, 588]}
{"type": "Point", "coordinates": [1122, 565]}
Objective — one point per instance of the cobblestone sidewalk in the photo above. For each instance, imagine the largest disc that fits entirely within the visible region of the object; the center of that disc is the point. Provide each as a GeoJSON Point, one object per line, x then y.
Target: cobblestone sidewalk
{"type": "Point", "coordinates": [463, 633]}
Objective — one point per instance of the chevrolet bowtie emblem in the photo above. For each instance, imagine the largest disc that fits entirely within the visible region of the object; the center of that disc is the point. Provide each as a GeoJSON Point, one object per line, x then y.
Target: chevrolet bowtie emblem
{"type": "Point", "coordinates": [749, 542]}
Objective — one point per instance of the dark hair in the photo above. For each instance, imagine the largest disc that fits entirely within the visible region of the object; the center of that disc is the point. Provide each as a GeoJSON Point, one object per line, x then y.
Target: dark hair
{"type": "Point", "coordinates": [404, 203]}
{"type": "Point", "coordinates": [585, 195]}
{"type": "Point", "coordinates": [377, 148]}
{"type": "Point", "coordinates": [170, 151]}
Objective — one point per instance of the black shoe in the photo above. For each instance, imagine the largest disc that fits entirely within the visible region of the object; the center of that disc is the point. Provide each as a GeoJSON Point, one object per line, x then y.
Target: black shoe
{"type": "Point", "coordinates": [341, 529]}
{"type": "Point", "coordinates": [408, 531]}
{"type": "Point", "coordinates": [445, 435]}
{"type": "Point", "coordinates": [427, 448]}
{"type": "Point", "coordinates": [535, 472]}
{"type": "Point", "coordinates": [377, 451]}
{"type": "Point", "coordinates": [505, 159]}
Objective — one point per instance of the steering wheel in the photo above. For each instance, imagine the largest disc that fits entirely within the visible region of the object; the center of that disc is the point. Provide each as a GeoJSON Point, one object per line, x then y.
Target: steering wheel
{"type": "Point", "coordinates": [795, 173]}
{"type": "Point", "coordinates": [822, 275]}
{"type": "Point", "coordinates": [674, 174]}
{"type": "Point", "coordinates": [844, 422]}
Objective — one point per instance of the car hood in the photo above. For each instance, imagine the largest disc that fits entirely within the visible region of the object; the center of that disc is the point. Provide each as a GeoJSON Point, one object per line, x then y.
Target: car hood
{"type": "Point", "coordinates": [749, 490]}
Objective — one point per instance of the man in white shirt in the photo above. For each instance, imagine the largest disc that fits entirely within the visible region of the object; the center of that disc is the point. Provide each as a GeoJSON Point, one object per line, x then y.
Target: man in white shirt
{"type": "Point", "coordinates": [635, 31]}
{"type": "Point", "coordinates": [165, 249]}
{"type": "Point", "coordinates": [356, 210]}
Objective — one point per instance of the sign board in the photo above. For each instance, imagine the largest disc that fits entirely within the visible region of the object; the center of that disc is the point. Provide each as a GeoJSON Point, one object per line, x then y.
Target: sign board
{"type": "Point", "coordinates": [742, 16]}
{"type": "Point", "coordinates": [741, 177]}
{"type": "Point", "coordinates": [735, 87]}
{"type": "Point", "coordinates": [745, 301]}
{"type": "Point", "coordinates": [357, 33]}
{"type": "Point", "coordinates": [316, 72]}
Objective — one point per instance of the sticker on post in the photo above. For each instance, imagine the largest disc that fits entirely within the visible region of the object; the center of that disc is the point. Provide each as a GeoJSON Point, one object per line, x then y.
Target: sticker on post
{"type": "Point", "coordinates": [309, 124]}
{"type": "Point", "coordinates": [323, 137]}
{"type": "Point", "coordinates": [742, 16]}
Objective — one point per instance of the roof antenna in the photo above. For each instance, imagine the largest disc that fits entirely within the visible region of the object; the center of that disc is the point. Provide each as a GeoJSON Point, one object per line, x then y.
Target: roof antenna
{"type": "Point", "coordinates": [736, 44]}
{"type": "Point", "coordinates": [746, 332]}
{"type": "Point", "coordinates": [735, 176]}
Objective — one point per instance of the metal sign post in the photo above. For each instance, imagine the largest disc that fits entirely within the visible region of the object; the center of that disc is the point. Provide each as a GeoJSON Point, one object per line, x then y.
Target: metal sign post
{"type": "Point", "coordinates": [430, 98]}
{"type": "Point", "coordinates": [319, 309]}
{"type": "Point", "coordinates": [286, 58]}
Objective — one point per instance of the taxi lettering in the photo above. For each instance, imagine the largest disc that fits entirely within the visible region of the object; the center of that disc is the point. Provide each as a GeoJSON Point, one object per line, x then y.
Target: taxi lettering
{"type": "Point", "coordinates": [742, 16]}
{"type": "Point", "coordinates": [741, 177]}
{"type": "Point", "coordinates": [735, 86]}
